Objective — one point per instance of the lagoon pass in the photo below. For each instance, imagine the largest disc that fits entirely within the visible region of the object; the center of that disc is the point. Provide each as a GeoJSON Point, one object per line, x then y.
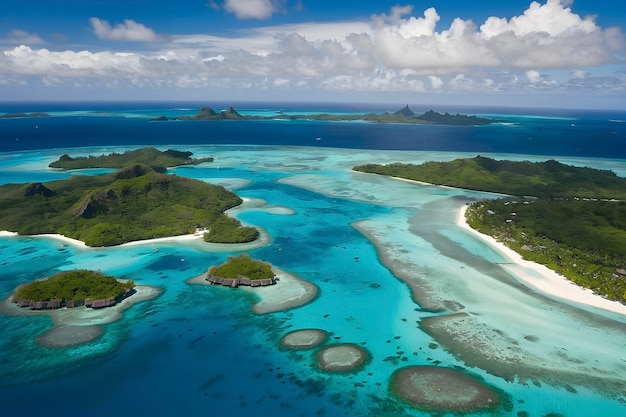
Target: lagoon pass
{"type": "Point", "coordinates": [397, 277]}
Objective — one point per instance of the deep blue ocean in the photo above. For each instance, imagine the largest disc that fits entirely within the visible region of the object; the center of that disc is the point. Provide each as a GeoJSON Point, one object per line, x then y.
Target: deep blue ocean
{"type": "Point", "coordinates": [594, 134]}
{"type": "Point", "coordinates": [200, 350]}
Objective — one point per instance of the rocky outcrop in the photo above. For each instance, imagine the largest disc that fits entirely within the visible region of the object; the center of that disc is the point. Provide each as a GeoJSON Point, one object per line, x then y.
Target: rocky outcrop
{"type": "Point", "coordinates": [406, 112]}
{"type": "Point", "coordinates": [94, 204]}
{"type": "Point", "coordinates": [37, 188]}
{"type": "Point", "coordinates": [133, 171]}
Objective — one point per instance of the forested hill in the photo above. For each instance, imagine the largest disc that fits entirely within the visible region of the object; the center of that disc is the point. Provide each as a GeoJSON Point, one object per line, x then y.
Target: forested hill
{"type": "Point", "coordinates": [135, 203]}
{"type": "Point", "coordinates": [549, 179]}
{"type": "Point", "coordinates": [156, 159]}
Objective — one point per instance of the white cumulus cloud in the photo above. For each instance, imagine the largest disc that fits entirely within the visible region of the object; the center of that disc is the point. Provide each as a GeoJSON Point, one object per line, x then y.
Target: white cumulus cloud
{"type": "Point", "coordinates": [533, 76]}
{"type": "Point", "coordinates": [545, 36]}
{"type": "Point", "coordinates": [553, 18]}
{"type": "Point", "coordinates": [250, 9]}
{"type": "Point", "coordinates": [548, 46]}
{"type": "Point", "coordinates": [127, 31]}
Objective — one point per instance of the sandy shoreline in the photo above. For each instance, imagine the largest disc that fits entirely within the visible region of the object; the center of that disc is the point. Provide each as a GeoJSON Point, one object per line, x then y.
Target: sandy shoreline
{"type": "Point", "coordinates": [542, 278]}
{"type": "Point", "coordinates": [81, 244]}
{"type": "Point", "coordinates": [262, 240]}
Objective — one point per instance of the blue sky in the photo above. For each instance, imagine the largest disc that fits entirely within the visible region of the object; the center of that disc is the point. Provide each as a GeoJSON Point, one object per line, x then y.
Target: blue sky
{"type": "Point", "coordinates": [548, 53]}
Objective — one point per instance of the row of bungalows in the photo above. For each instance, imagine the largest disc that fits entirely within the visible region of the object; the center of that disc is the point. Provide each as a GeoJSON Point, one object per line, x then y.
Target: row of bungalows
{"type": "Point", "coordinates": [52, 304]}
{"type": "Point", "coordinates": [108, 302]}
{"type": "Point", "coordinates": [235, 282]}
{"type": "Point", "coordinates": [38, 305]}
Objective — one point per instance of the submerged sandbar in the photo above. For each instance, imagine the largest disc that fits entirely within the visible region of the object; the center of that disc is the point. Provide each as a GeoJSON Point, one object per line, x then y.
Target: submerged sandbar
{"type": "Point", "coordinates": [485, 316]}
{"type": "Point", "coordinates": [340, 358]}
{"type": "Point", "coordinates": [303, 339]}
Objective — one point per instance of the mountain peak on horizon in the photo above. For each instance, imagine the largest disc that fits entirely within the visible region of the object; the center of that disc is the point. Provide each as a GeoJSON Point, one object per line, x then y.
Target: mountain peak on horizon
{"type": "Point", "coordinates": [406, 112]}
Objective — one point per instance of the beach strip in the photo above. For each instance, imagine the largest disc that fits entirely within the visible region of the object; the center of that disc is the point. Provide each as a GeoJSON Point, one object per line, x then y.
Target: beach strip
{"type": "Point", "coordinates": [540, 277]}
{"type": "Point", "coordinates": [81, 244]}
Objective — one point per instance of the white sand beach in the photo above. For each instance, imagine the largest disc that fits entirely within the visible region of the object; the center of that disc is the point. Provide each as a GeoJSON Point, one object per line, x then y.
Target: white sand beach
{"type": "Point", "coordinates": [289, 292]}
{"type": "Point", "coordinates": [180, 238]}
{"type": "Point", "coordinates": [64, 239]}
{"type": "Point", "coordinates": [196, 240]}
{"type": "Point", "coordinates": [81, 244]}
{"type": "Point", "coordinates": [542, 278]}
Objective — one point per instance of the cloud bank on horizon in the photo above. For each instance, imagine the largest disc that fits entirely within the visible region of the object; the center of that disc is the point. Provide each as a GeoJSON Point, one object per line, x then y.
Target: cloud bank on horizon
{"type": "Point", "coordinates": [545, 50]}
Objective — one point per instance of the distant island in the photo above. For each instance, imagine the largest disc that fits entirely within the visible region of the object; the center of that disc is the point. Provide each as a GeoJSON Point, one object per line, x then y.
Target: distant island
{"type": "Point", "coordinates": [242, 270]}
{"type": "Point", "coordinates": [134, 203]}
{"type": "Point", "coordinates": [405, 115]}
{"type": "Point", "coordinates": [568, 218]}
{"type": "Point", "coordinates": [73, 289]}
{"type": "Point", "coordinates": [23, 115]}
{"type": "Point", "coordinates": [157, 160]}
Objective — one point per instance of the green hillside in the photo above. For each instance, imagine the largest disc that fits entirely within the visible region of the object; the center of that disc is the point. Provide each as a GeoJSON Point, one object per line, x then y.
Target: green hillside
{"type": "Point", "coordinates": [549, 179]}
{"type": "Point", "coordinates": [135, 203]}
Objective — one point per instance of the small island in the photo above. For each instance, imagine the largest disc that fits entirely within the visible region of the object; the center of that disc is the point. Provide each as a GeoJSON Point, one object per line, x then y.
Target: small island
{"type": "Point", "coordinates": [404, 115]}
{"type": "Point", "coordinates": [242, 270]}
{"type": "Point", "coordinates": [73, 289]}
{"type": "Point", "coordinates": [258, 278]}
{"type": "Point", "coordinates": [79, 302]}
{"type": "Point", "coordinates": [23, 115]}
{"type": "Point", "coordinates": [569, 218]}
{"type": "Point", "coordinates": [157, 160]}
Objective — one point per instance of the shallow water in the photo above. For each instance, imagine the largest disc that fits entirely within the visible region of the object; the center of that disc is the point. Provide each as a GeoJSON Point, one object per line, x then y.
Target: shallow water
{"type": "Point", "coordinates": [198, 348]}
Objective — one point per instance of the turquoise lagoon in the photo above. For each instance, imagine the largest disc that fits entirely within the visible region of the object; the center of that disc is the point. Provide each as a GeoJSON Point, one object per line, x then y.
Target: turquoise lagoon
{"type": "Point", "coordinates": [359, 238]}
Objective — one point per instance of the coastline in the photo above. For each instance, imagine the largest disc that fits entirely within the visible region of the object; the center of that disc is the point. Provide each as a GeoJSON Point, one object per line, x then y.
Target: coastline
{"type": "Point", "coordinates": [262, 240]}
{"type": "Point", "coordinates": [540, 277]}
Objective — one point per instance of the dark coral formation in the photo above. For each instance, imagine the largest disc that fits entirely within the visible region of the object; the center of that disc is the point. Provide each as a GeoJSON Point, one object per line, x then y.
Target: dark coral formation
{"type": "Point", "coordinates": [442, 390]}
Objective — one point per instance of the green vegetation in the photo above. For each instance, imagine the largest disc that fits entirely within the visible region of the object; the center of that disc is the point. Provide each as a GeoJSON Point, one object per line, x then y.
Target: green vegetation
{"type": "Point", "coordinates": [23, 115]}
{"type": "Point", "coordinates": [74, 285]}
{"type": "Point", "coordinates": [584, 241]}
{"type": "Point", "coordinates": [577, 226]}
{"type": "Point", "coordinates": [405, 115]}
{"type": "Point", "coordinates": [549, 179]}
{"type": "Point", "coordinates": [135, 203]}
{"type": "Point", "coordinates": [242, 266]}
{"type": "Point", "coordinates": [158, 160]}
{"type": "Point", "coordinates": [229, 230]}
